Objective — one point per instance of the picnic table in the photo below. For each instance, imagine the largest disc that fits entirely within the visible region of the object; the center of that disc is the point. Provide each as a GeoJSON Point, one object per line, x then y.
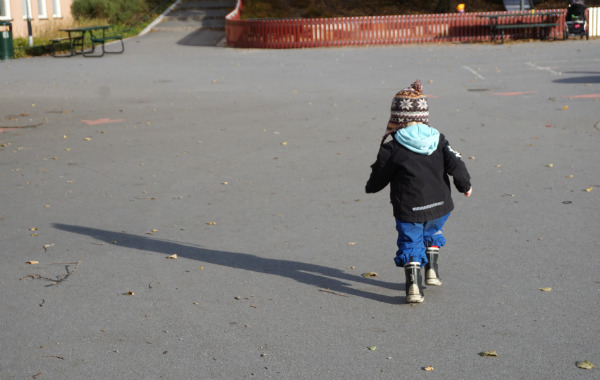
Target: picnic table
{"type": "Point", "coordinates": [96, 35]}
{"type": "Point", "coordinates": [517, 20]}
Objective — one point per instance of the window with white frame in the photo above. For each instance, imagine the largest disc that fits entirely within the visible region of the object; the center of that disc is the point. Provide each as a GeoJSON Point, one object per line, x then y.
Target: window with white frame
{"type": "Point", "coordinates": [42, 13]}
{"type": "Point", "coordinates": [26, 8]}
{"type": "Point", "coordinates": [4, 9]}
{"type": "Point", "coordinates": [56, 9]}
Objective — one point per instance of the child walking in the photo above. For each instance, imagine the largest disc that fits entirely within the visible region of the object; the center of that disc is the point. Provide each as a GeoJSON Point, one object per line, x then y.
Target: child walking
{"type": "Point", "coordinates": [416, 163]}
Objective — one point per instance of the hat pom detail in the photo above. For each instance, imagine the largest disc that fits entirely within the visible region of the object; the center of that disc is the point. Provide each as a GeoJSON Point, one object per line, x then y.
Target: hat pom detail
{"type": "Point", "coordinates": [417, 86]}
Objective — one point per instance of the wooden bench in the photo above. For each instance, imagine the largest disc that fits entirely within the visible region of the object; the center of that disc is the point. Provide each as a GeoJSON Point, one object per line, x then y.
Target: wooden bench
{"type": "Point", "coordinates": [502, 27]}
{"type": "Point", "coordinates": [501, 21]}
{"type": "Point", "coordinates": [73, 42]}
{"type": "Point", "coordinates": [101, 41]}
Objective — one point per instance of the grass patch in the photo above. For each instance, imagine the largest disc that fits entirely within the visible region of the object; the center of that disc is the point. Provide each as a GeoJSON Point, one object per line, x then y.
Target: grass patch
{"type": "Point", "coordinates": [358, 8]}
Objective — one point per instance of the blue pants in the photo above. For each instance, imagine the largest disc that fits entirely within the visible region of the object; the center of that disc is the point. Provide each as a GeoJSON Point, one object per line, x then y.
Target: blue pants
{"type": "Point", "coordinates": [414, 238]}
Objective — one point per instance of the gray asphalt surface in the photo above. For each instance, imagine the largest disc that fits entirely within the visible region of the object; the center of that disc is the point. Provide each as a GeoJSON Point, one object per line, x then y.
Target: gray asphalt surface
{"type": "Point", "coordinates": [250, 165]}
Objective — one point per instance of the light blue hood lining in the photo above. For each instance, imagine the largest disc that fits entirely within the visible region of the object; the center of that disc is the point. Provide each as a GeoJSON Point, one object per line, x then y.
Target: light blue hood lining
{"type": "Point", "coordinates": [419, 138]}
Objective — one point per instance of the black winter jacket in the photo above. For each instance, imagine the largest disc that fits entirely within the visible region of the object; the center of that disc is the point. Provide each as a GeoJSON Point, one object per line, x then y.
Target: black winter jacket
{"type": "Point", "coordinates": [419, 184]}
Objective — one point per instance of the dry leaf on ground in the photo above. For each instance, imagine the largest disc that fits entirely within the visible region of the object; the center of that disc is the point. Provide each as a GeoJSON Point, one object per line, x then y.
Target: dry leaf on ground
{"type": "Point", "coordinates": [173, 256]}
{"type": "Point", "coordinates": [546, 289]}
{"type": "Point", "coordinates": [428, 368]}
{"type": "Point", "coordinates": [585, 364]}
{"type": "Point", "coordinates": [489, 354]}
{"type": "Point", "coordinates": [369, 274]}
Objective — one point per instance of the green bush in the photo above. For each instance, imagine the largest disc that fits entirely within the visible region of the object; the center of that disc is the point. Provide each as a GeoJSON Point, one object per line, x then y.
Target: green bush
{"type": "Point", "coordinates": [115, 11]}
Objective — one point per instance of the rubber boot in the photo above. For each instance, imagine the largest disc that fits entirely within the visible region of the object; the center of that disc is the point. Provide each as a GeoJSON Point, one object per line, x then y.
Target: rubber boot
{"type": "Point", "coordinates": [414, 287]}
{"type": "Point", "coordinates": [432, 274]}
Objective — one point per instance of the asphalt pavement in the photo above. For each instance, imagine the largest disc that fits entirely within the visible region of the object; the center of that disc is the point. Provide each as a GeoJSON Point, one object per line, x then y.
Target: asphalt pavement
{"type": "Point", "coordinates": [250, 166]}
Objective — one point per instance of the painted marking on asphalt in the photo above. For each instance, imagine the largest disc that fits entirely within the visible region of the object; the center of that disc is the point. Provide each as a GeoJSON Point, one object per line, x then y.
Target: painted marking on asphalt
{"type": "Point", "coordinates": [583, 96]}
{"type": "Point", "coordinates": [513, 93]}
{"type": "Point", "coordinates": [474, 72]}
{"type": "Point", "coordinates": [548, 69]}
{"type": "Point", "coordinates": [101, 121]}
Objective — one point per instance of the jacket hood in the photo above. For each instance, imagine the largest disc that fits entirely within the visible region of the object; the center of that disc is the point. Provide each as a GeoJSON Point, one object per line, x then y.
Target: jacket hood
{"type": "Point", "coordinates": [419, 138]}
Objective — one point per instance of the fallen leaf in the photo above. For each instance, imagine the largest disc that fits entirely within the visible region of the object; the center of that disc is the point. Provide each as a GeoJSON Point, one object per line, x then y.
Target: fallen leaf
{"type": "Point", "coordinates": [33, 229]}
{"type": "Point", "coordinates": [428, 368]}
{"type": "Point", "coordinates": [352, 243]}
{"type": "Point", "coordinates": [570, 176]}
{"type": "Point", "coordinates": [33, 262]}
{"type": "Point", "coordinates": [498, 166]}
{"type": "Point", "coordinates": [546, 289]}
{"type": "Point", "coordinates": [46, 246]}
{"type": "Point", "coordinates": [352, 267]}
{"type": "Point", "coordinates": [211, 223]}
{"type": "Point", "coordinates": [489, 353]}
{"type": "Point", "coordinates": [471, 157]}
{"type": "Point", "coordinates": [550, 165]}
{"type": "Point", "coordinates": [585, 364]}
{"type": "Point", "coordinates": [224, 183]}
{"type": "Point", "coordinates": [87, 138]}
{"type": "Point", "coordinates": [565, 108]}
{"type": "Point", "coordinates": [369, 274]}
{"type": "Point", "coordinates": [130, 293]}
{"type": "Point", "coordinates": [284, 143]}
{"type": "Point", "coordinates": [589, 189]}
{"type": "Point", "coordinates": [372, 348]}
{"type": "Point", "coordinates": [173, 256]}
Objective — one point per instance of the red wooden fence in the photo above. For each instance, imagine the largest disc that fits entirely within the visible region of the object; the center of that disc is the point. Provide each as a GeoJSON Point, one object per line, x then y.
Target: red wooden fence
{"type": "Point", "coordinates": [380, 30]}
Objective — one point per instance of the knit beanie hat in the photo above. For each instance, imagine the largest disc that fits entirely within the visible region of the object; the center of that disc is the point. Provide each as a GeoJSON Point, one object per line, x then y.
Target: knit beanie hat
{"type": "Point", "coordinates": [409, 105]}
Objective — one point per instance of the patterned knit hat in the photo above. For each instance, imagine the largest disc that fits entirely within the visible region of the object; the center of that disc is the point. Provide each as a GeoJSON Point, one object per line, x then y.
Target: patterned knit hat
{"type": "Point", "coordinates": [409, 105]}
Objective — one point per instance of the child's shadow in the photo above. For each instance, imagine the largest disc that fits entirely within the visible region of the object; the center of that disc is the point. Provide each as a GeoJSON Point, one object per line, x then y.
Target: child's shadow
{"type": "Point", "coordinates": [311, 274]}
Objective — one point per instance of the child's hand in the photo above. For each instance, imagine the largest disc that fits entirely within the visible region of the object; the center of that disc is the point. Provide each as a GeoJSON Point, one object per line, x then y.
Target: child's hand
{"type": "Point", "coordinates": [468, 193]}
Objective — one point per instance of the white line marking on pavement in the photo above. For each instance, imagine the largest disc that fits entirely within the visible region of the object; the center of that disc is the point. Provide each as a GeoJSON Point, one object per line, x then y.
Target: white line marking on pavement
{"type": "Point", "coordinates": [542, 68]}
{"type": "Point", "coordinates": [474, 72]}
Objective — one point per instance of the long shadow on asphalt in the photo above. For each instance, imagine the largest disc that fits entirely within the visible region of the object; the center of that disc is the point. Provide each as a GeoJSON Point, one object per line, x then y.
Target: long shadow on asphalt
{"type": "Point", "coordinates": [328, 279]}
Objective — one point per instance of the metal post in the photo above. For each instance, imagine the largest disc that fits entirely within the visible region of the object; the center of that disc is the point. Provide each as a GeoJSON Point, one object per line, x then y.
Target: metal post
{"type": "Point", "coordinates": [29, 29]}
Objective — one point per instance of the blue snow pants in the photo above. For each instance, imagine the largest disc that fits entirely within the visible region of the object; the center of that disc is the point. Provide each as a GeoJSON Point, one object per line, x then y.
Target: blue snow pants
{"type": "Point", "coordinates": [414, 238]}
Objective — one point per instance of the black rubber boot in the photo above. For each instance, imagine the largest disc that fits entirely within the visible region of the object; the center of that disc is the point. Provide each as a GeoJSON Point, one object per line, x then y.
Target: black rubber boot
{"type": "Point", "coordinates": [432, 274]}
{"type": "Point", "coordinates": [414, 287]}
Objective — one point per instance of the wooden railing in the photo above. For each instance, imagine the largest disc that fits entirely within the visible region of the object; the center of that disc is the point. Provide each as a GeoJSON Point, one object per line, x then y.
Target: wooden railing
{"type": "Point", "coordinates": [380, 30]}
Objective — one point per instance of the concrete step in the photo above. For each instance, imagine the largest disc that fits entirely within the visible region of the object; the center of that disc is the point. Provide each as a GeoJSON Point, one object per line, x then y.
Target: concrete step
{"type": "Point", "coordinates": [209, 4]}
{"type": "Point", "coordinates": [176, 25]}
{"type": "Point", "coordinates": [196, 14]}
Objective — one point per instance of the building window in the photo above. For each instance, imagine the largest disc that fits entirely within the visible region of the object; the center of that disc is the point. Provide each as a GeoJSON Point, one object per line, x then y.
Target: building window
{"type": "Point", "coordinates": [4, 9]}
{"type": "Point", "coordinates": [42, 13]}
{"type": "Point", "coordinates": [26, 9]}
{"type": "Point", "coordinates": [56, 9]}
